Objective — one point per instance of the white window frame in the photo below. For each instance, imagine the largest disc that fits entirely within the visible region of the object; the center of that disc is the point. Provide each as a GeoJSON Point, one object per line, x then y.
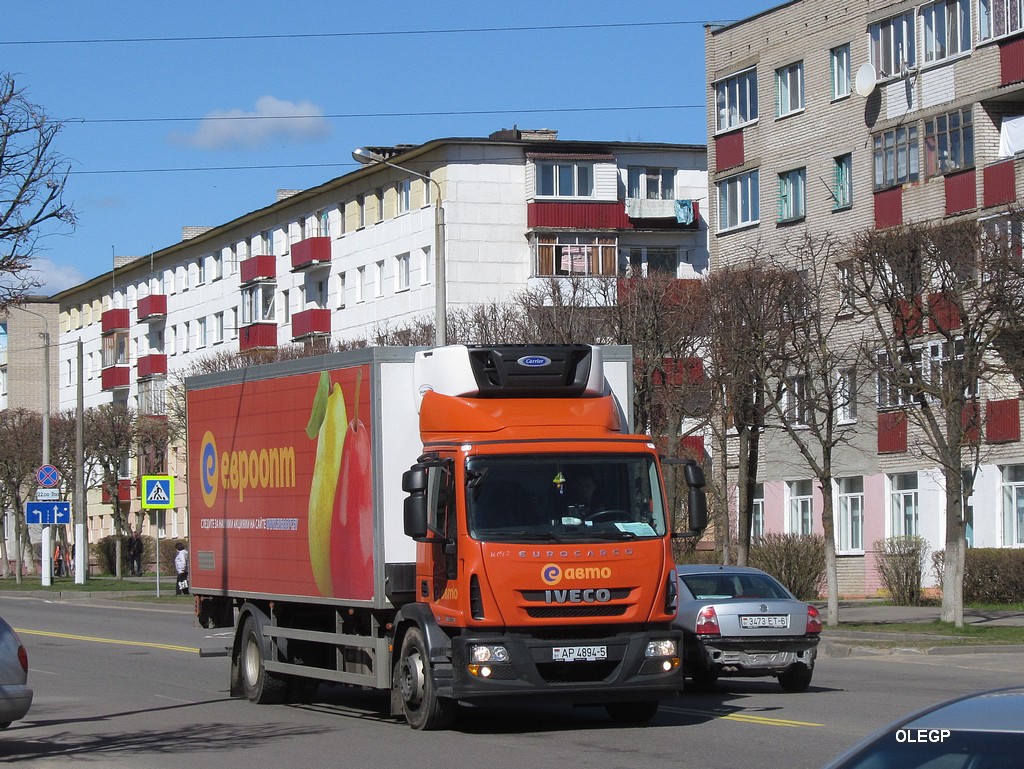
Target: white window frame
{"type": "Point", "coordinates": [757, 526]}
{"type": "Point", "coordinates": [846, 392]}
{"type": "Point", "coordinates": [796, 406]}
{"type": "Point", "coordinates": [201, 271]}
{"type": "Point", "coordinates": [904, 504]}
{"type": "Point", "coordinates": [800, 519]}
{"type": "Point", "coordinates": [793, 195]}
{"type": "Point", "coordinates": [403, 190]}
{"type": "Point", "coordinates": [651, 183]}
{"type": "Point", "coordinates": [218, 266]}
{"type": "Point", "coordinates": [842, 181]}
{"type": "Point", "coordinates": [947, 29]}
{"type": "Point", "coordinates": [739, 203]}
{"type": "Point", "coordinates": [736, 100]}
{"type": "Point", "coordinates": [789, 89]}
{"type": "Point", "coordinates": [565, 179]}
{"type": "Point", "coordinates": [341, 290]}
{"type": "Point", "coordinates": [286, 306]}
{"type": "Point", "coordinates": [949, 142]}
{"type": "Point", "coordinates": [893, 44]}
{"type": "Point", "coordinates": [258, 302]}
{"type": "Point", "coordinates": [218, 327]}
{"type": "Point", "coordinates": [849, 515]}
{"type": "Point", "coordinates": [378, 278]}
{"type": "Point", "coordinates": [1012, 495]}
{"type": "Point", "coordinates": [998, 18]}
{"type": "Point", "coordinates": [402, 272]}
{"type": "Point", "coordinates": [839, 61]}
{"type": "Point", "coordinates": [360, 284]}
{"type": "Point", "coordinates": [200, 333]}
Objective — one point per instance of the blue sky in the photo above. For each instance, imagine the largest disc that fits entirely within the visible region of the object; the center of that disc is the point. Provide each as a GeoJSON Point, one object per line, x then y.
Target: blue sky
{"type": "Point", "coordinates": [140, 85]}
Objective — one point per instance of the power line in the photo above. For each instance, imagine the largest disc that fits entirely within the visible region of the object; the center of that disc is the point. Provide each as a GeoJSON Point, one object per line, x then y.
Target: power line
{"type": "Point", "coordinates": [356, 115]}
{"type": "Point", "coordinates": [379, 33]}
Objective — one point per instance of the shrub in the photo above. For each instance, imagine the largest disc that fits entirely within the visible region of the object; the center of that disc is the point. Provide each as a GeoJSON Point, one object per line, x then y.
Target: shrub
{"type": "Point", "coordinates": [901, 562]}
{"type": "Point", "coordinates": [991, 575]}
{"type": "Point", "coordinates": [797, 561]}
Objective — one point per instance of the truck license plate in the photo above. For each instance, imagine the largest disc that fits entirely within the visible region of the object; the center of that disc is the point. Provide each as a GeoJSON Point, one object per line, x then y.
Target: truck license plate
{"type": "Point", "coordinates": [579, 653]}
{"type": "Point", "coordinates": [765, 620]}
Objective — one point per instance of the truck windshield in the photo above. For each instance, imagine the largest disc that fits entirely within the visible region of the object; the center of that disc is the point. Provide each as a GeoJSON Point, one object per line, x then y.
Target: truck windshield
{"type": "Point", "coordinates": [556, 498]}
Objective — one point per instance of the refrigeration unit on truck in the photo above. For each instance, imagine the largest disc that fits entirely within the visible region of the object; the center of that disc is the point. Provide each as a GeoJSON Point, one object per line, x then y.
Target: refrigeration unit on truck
{"type": "Point", "coordinates": [455, 525]}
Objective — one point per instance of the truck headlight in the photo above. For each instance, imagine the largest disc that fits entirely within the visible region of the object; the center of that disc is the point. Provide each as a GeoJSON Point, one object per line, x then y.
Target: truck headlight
{"type": "Point", "coordinates": [662, 648]}
{"type": "Point", "coordinates": [481, 653]}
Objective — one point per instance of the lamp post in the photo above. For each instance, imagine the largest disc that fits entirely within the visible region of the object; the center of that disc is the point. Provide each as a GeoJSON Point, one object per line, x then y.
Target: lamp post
{"type": "Point", "coordinates": [369, 157]}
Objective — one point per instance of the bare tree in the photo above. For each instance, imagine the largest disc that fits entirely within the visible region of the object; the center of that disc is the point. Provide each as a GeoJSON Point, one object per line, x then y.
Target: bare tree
{"type": "Point", "coordinates": [940, 298]}
{"type": "Point", "coordinates": [111, 438]}
{"type": "Point", "coordinates": [31, 187]}
{"type": "Point", "coordinates": [21, 454]}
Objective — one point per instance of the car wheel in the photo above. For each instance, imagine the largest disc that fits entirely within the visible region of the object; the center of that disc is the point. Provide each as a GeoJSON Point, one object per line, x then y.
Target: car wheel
{"type": "Point", "coordinates": [796, 679]}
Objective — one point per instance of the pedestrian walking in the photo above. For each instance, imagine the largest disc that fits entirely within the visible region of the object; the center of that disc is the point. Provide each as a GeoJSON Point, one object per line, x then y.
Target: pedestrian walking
{"type": "Point", "coordinates": [135, 548]}
{"type": "Point", "coordinates": [181, 567]}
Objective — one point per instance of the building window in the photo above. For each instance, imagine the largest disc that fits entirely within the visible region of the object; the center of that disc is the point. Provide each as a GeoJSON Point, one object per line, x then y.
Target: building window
{"type": "Point", "coordinates": [651, 183]}
{"type": "Point", "coordinates": [378, 199]}
{"type": "Point", "coordinates": [218, 328]}
{"type": "Point", "coordinates": [575, 255]}
{"type": "Point", "coordinates": [850, 515]}
{"type": "Point", "coordinates": [846, 394]}
{"type": "Point", "coordinates": [999, 17]}
{"type": "Point", "coordinates": [1013, 505]}
{"type": "Point", "coordinates": [903, 503]}
{"type": "Point", "coordinates": [152, 396]}
{"type": "Point", "coordinates": [842, 182]}
{"type": "Point", "coordinates": [360, 211]}
{"type": "Point", "coordinates": [218, 266]}
{"type": "Point", "coordinates": [316, 294]}
{"type": "Point", "coordinates": [789, 89]}
{"type": "Point", "coordinates": [286, 307]}
{"type": "Point", "coordinates": [892, 44]}
{"type": "Point", "coordinates": [360, 284]}
{"type": "Point", "coordinates": [402, 272]}
{"type": "Point", "coordinates": [200, 333]}
{"type": "Point", "coordinates": [341, 219]}
{"type": "Point", "coordinates": [115, 349]}
{"type": "Point", "coordinates": [736, 99]}
{"type": "Point", "coordinates": [947, 28]}
{"type": "Point", "coordinates": [566, 179]}
{"type": "Point", "coordinates": [792, 195]}
{"type": "Point", "coordinates": [738, 201]}
{"type": "Point", "coordinates": [341, 290]}
{"type": "Point", "coordinates": [948, 142]}
{"type": "Point", "coordinates": [378, 278]}
{"type": "Point", "coordinates": [647, 260]}
{"type": "Point", "coordinates": [426, 266]}
{"type": "Point", "coordinates": [404, 192]}
{"type": "Point", "coordinates": [323, 224]}
{"type": "Point", "coordinates": [890, 393]}
{"type": "Point", "coordinates": [201, 271]}
{"type": "Point", "coordinates": [796, 404]}
{"type": "Point", "coordinates": [801, 507]}
{"type": "Point", "coordinates": [757, 516]}
{"type": "Point", "coordinates": [839, 58]}
{"type": "Point", "coordinates": [186, 336]}
{"type": "Point", "coordinates": [3, 380]}
{"type": "Point", "coordinates": [896, 157]}
{"type": "Point", "coordinates": [233, 322]}
{"type": "Point", "coordinates": [258, 303]}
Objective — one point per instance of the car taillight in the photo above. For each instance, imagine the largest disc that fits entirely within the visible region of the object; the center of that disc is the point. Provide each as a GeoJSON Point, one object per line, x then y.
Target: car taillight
{"type": "Point", "coordinates": [707, 622]}
{"type": "Point", "coordinates": [813, 620]}
{"type": "Point", "coordinates": [23, 658]}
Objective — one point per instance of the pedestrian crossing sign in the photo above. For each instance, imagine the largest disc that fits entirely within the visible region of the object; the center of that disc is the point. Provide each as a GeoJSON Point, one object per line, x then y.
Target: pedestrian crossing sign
{"type": "Point", "coordinates": [157, 492]}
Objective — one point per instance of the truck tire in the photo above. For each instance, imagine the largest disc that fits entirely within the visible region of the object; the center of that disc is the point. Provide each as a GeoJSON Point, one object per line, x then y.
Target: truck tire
{"type": "Point", "coordinates": [423, 709]}
{"type": "Point", "coordinates": [260, 686]}
{"type": "Point", "coordinates": [634, 713]}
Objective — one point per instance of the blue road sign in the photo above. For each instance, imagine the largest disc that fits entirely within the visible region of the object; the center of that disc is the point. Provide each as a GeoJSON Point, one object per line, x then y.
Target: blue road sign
{"type": "Point", "coordinates": [47, 476]}
{"type": "Point", "coordinates": [157, 492]}
{"type": "Point", "coordinates": [48, 513]}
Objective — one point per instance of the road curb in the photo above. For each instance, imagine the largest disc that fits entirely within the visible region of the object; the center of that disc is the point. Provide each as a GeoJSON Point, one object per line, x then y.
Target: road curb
{"type": "Point", "coordinates": [850, 648]}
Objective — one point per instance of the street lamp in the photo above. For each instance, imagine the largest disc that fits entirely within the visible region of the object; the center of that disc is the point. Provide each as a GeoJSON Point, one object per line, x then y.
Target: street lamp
{"type": "Point", "coordinates": [369, 157]}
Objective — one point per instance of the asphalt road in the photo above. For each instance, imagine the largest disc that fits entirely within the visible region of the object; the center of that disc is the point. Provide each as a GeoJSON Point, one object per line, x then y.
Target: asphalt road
{"type": "Point", "coordinates": [122, 685]}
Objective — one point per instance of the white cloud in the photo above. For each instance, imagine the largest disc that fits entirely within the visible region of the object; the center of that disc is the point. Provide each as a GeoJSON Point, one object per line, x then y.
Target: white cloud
{"type": "Point", "coordinates": [54, 277]}
{"type": "Point", "coordinates": [272, 119]}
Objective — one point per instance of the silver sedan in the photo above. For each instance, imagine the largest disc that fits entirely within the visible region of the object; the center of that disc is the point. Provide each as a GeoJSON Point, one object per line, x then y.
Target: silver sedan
{"type": "Point", "coordinates": [739, 621]}
{"type": "Point", "coordinates": [15, 695]}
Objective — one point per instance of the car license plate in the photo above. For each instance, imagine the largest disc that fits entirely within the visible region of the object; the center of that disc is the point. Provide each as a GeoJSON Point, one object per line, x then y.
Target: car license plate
{"type": "Point", "coordinates": [579, 653]}
{"type": "Point", "coordinates": [765, 620]}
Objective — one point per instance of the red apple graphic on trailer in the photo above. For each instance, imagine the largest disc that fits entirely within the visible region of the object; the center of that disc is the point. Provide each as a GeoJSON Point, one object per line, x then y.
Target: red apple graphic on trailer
{"type": "Point", "coordinates": [352, 532]}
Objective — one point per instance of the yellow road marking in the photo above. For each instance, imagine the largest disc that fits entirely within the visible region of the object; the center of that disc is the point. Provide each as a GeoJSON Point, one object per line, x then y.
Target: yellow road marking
{"type": "Point", "coordinates": [746, 718]}
{"type": "Point", "coordinates": [95, 639]}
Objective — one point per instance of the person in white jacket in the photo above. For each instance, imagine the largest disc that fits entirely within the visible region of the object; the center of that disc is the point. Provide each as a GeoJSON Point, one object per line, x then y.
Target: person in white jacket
{"type": "Point", "coordinates": [181, 567]}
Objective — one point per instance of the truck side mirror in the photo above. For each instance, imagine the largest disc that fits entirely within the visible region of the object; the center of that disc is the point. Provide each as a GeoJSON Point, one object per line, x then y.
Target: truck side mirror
{"type": "Point", "coordinates": [415, 511]}
{"type": "Point", "coordinates": [694, 475]}
{"type": "Point", "coordinates": [698, 509]}
{"type": "Point", "coordinates": [414, 479]}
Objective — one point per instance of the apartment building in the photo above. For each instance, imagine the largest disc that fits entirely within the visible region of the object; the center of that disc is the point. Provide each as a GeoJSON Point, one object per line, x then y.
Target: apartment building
{"type": "Point", "coordinates": [335, 261]}
{"type": "Point", "coordinates": [843, 117]}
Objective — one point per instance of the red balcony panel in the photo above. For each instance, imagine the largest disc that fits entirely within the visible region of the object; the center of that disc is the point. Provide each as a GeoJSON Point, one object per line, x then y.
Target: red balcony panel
{"type": "Point", "coordinates": [889, 208]}
{"type": "Point", "coordinates": [892, 432]}
{"type": "Point", "coordinates": [961, 192]}
{"type": "Point", "coordinates": [256, 267]}
{"type": "Point", "coordinates": [311, 252]}
{"type": "Point", "coordinates": [115, 377]}
{"type": "Point", "coordinates": [257, 335]}
{"type": "Point", "coordinates": [692, 446]}
{"type": "Point", "coordinates": [970, 421]}
{"type": "Point", "coordinates": [680, 372]}
{"type": "Point", "coordinates": [908, 320]}
{"type": "Point", "coordinates": [124, 491]}
{"type": "Point", "coordinates": [944, 315]}
{"type": "Point", "coordinates": [309, 322]}
{"type": "Point", "coordinates": [678, 293]}
{"type": "Point", "coordinates": [115, 320]}
{"type": "Point", "coordinates": [1000, 183]}
{"type": "Point", "coordinates": [1011, 61]}
{"type": "Point", "coordinates": [152, 307]}
{"type": "Point", "coordinates": [1002, 421]}
{"type": "Point", "coordinates": [152, 365]}
{"type": "Point", "coordinates": [609, 215]}
{"type": "Point", "coordinates": [729, 150]}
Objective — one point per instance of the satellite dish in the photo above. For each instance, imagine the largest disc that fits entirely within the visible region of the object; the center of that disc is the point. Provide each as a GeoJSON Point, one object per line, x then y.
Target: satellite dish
{"type": "Point", "coordinates": [865, 82]}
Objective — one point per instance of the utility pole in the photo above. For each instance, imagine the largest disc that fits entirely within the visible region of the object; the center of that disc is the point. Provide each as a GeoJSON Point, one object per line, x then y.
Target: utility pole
{"type": "Point", "coordinates": [81, 542]}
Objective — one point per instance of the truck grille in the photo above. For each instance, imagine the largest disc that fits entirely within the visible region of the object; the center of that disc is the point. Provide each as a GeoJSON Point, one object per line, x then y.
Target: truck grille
{"type": "Point", "coordinates": [562, 611]}
{"type": "Point", "coordinates": [537, 596]}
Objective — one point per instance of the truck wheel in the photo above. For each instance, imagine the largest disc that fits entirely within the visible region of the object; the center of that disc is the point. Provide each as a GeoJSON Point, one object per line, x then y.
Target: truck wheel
{"type": "Point", "coordinates": [796, 679]}
{"type": "Point", "coordinates": [632, 712]}
{"type": "Point", "coordinates": [260, 686]}
{"type": "Point", "coordinates": [703, 679]}
{"type": "Point", "coordinates": [424, 710]}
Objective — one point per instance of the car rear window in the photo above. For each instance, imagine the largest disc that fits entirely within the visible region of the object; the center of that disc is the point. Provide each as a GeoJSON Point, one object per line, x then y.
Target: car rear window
{"type": "Point", "coordinates": [722, 586]}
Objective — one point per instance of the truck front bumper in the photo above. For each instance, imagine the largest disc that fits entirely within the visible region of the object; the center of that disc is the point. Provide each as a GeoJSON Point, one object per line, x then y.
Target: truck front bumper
{"type": "Point", "coordinates": [593, 668]}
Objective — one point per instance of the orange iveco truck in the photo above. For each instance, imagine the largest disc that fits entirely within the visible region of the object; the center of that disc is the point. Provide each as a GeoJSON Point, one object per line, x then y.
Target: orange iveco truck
{"type": "Point", "coordinates": [458, 525]}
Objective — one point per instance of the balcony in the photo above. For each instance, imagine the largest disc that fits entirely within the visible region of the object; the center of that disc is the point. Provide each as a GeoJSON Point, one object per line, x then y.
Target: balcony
{"type": "Point", "coordinates": [152, 308]}
{"type": "Point", "coordinates": [124, 492]}
{"type": "Point", "coordinates": [313, 322]}
{"type": "Point", "coordinates": [154, 364]}
{"type": "Point", "coordinates": [115, 377]}
{"type": "Point", "coordinates": [256, 336]}
{"type": "Point", "coordinates": [115, 320]}
{"type": "Point", "coordinates": [258, 268]}
{"type": "Point", "coordinates": [310, 253]}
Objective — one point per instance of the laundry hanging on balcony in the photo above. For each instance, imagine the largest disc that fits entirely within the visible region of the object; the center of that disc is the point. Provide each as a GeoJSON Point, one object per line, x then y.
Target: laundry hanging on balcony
{"type": "Point", "coordinates": [684, 211]}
